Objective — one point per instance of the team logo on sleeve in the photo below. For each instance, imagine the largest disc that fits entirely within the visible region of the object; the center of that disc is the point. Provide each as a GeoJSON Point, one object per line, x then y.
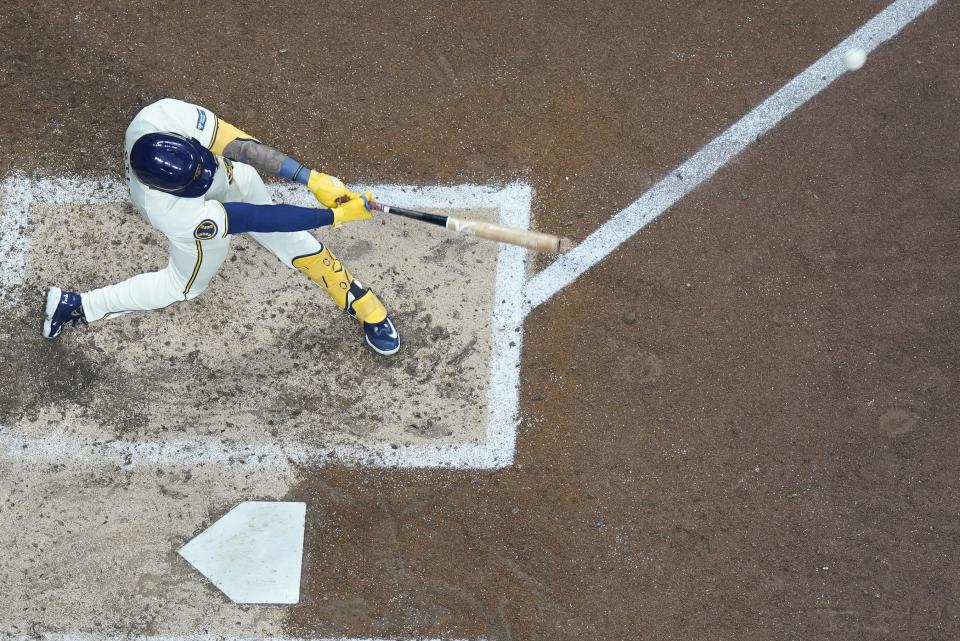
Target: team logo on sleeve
{"type": "Point", "coordinates": [201, 119]}
{"type": "Point", "coordinates": [206, 230]}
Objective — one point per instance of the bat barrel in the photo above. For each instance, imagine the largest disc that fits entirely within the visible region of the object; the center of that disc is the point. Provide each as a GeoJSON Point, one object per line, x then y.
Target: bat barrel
{"type": "Point", "coordinates": [534, 240]}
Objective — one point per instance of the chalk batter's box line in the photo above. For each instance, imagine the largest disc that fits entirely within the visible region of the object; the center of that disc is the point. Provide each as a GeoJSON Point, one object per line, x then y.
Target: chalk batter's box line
{"type": "Point", "coordinates": [498, 451]}
{"type": "Point", "coordinates": [513, 204]}
{"type": "Point", "coordinates": [500, 445]}
{"type": "Point", "coordinates": [47, 636]}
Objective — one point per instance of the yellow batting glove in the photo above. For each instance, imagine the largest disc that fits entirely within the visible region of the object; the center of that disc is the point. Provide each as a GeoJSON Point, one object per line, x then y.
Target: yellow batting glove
{"type": "Point", "coordinates": [358, 208]}
{"type": "Point", "coordinates": [329, 190]}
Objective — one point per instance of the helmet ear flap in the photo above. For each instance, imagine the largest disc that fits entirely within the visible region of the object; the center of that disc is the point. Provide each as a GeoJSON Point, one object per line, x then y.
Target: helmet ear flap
{"type": "Point", "coordinates": [173, 164]}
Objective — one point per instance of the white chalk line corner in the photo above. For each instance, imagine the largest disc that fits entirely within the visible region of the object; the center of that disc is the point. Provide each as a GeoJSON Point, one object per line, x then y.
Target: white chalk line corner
{"type": "Point", "coordinates": [50, 636]}
{"type": "Point", "coordinates": [497, 451]}
{"type": "Point", "coordinates": [516, 296]}
{"type": "Point", "coordinates": [515, 210]}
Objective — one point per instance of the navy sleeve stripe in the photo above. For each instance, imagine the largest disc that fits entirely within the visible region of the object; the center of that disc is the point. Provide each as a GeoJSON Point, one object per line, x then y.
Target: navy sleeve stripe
{"type": "Point", "coordinates": [244, 217]}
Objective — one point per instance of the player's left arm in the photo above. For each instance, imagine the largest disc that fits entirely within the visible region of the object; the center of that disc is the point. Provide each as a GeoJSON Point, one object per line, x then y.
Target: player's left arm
{"type": "Point", "coordinates": [233, 143]}
{"type": "Point", "coordinates": [246, 217]}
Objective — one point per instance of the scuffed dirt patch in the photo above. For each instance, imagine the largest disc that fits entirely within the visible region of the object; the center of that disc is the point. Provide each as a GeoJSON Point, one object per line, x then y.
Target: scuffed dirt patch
{"type": "Point", "coordinates": [262, 354]}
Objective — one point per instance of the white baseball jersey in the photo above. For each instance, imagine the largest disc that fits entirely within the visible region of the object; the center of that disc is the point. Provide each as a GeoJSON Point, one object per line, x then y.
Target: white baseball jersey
{"type": "Point", "coordinates": [196, 227]}
{"type": "Point", "coordinates": [180, 219]}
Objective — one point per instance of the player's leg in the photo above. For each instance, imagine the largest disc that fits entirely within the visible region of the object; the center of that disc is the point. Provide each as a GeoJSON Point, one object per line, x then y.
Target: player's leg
{"type": "Point", "coordinates": [302, 251]}
{"type": "Point", "coordinates": [187, 274]}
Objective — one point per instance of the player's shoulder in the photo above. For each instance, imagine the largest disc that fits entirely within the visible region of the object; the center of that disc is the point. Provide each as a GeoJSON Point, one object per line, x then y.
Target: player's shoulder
{"type": "Point", "coordinates": [184, 218]}
{"type": "Point", "coordinates": [173, 115]}
{"type": "Point", "coordinates": [166, 107]}
{"type": "Point", "coordinates": [168, 213]}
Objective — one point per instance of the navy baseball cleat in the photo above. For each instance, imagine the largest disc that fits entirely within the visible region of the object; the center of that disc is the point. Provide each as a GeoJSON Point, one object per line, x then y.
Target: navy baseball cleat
{"type": "Point", "coordinates": [382, 336]}
{"type": "Point", "coordinates": [62, 308]}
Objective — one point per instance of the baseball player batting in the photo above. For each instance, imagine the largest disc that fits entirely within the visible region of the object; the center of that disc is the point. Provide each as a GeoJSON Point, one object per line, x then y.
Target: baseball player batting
{"type": "Point", "coordinates": [195, 178]}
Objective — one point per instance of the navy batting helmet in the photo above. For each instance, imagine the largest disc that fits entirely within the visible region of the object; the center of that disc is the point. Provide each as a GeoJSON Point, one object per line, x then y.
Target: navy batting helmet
{"type": "Point", "coordinates": [172, 163]}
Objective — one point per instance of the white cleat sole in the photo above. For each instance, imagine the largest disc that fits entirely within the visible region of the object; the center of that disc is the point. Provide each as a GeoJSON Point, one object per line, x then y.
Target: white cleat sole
{"type": "Point", "coordinates": [380, 351]}
{"type": "Point", "coordinates": [53, 301]}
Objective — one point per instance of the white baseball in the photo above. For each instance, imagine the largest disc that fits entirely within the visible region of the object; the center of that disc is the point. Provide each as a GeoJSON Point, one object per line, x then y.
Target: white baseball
{"type": "Point", "coordinates": [854, 58]}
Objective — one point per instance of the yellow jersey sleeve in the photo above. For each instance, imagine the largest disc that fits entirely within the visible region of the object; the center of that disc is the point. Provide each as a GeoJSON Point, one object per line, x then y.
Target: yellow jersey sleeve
{"type": "Point", "coordinates": [224, 133]}
{"type": "Point", "coordinates": [186, 119]}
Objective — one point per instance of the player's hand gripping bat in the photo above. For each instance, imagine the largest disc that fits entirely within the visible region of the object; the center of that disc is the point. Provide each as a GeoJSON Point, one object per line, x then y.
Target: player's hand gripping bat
{"type": "Point", "coordinates": [534, 240]}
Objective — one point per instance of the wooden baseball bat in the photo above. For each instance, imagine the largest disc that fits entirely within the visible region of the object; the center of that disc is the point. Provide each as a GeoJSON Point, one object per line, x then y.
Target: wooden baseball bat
{"type": "Point", "coordinates": [534, 240]}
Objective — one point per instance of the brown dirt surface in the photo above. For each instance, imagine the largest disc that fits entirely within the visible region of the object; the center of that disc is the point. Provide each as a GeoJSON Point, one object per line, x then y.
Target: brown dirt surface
{"type": "Point", "coordinates": [741, 425]}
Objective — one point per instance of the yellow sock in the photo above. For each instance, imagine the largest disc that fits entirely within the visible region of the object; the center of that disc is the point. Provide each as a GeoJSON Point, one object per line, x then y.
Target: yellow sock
{"type": "Point", "coordinates": [326, 270]}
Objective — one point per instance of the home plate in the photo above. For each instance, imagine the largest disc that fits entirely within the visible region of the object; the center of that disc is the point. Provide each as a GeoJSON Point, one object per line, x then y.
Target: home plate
{"type": "Point", "coordinates": [253, 553]}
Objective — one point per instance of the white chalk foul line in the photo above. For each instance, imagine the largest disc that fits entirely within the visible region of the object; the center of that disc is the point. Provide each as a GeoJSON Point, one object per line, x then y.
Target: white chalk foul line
{"type": "Point", "coordinates": [497, 451]}
{"type": "Point", "coordinates": [706, 162]}
{"type": "Point", "coordinates": [20, 193]}
{"type": "Point", "coordinates": [48, 636]}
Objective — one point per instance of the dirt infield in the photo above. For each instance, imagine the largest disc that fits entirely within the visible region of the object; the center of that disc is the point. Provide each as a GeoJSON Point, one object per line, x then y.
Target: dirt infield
{"type": "Point", "coordinates": [261, 366]}
{"type": "Point", "coordinates": [741, 425]}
